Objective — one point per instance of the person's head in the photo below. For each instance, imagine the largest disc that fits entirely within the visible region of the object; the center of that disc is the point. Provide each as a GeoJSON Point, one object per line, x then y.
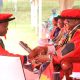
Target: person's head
{"type": "Point", "coordinates": [60, 23]}
{"type": "Point", "coordinates": [4, 21]}
{"type": "Point", "coordinates": [54, 11]}
{"type": "Point", "coordinates": [72, 18]}
{"type": "Point", "coordinates": [54, 21]}
{"type": "Point", "coordinates": [71, 23]}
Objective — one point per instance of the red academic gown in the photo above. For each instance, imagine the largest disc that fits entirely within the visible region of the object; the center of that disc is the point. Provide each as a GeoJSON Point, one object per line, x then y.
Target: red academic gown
{"type": "Point", "coordinates": [3, 52]}
{"type": "Point", "coordinates": [73, 56]}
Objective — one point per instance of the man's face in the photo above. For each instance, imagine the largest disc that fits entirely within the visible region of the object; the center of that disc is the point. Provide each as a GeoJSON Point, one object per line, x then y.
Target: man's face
{"type": "Point", "coordinates": [3, 28]}
{"type": "Point", "coordinates": [70, 23]}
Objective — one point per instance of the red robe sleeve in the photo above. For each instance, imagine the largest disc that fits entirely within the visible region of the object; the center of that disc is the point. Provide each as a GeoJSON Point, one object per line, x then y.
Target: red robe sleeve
{"type": "Point", "coordinates": [73, 54]}
{"type": "Point", "coordinates": [76, 40]}
{"type": "Point", "coordinates": [6, 53]}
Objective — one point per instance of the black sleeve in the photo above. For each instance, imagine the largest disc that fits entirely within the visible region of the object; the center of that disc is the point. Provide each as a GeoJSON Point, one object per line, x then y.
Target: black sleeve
{"type": "Point", "coordinates": [68, 48]}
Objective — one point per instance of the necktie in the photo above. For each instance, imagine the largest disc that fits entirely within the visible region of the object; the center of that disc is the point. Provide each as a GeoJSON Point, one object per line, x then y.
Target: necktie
{"type": "Point", "coordinates": [2, 44]}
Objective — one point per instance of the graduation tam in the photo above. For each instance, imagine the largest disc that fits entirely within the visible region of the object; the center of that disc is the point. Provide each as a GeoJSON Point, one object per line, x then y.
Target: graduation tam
{"type": "Point", "coordinates": [5, 17]}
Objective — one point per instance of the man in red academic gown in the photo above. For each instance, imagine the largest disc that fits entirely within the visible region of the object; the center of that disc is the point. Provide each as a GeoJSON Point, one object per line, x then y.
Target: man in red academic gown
{"type": "Point", "coordinates": [4, 21]}
{"type": "Point", "coordinates": [70, 52]}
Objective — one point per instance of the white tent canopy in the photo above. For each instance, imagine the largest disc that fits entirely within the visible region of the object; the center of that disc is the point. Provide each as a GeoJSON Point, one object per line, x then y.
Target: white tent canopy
{"type": "Point", "coordinates": [36, 12]}
{"type": "Point", "coordinates": [65, 4]}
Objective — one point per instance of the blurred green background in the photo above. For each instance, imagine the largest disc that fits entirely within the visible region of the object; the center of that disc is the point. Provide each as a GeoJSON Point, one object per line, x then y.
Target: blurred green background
{"type": "Point", "coordinates": [22, 23]}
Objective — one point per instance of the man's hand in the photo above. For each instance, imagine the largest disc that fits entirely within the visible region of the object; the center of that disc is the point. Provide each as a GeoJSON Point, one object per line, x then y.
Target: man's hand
{"type": "Point", "coordinates": [42, 58]}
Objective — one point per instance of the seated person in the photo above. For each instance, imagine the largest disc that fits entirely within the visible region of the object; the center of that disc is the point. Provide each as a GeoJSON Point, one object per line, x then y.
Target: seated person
{"type": "Point", "coordinates": [55, 33]}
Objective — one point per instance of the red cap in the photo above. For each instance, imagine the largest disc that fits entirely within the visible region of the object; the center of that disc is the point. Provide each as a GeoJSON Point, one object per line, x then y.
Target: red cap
{"type": "Point", "coordinates": [5, 17]}
{"type": "Point", "coordinates": [71, 14]}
